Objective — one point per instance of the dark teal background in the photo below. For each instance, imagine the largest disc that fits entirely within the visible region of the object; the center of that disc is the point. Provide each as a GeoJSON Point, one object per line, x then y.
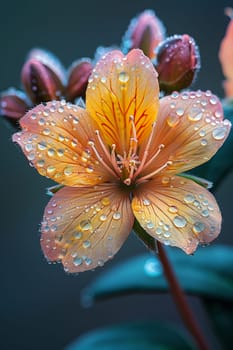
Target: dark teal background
{"type": "Point", "coordinates": [39, 303]}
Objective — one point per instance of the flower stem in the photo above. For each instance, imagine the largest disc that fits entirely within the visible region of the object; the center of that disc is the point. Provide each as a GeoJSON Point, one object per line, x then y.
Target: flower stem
{"type": "Point", "coordinates": [181, 300]}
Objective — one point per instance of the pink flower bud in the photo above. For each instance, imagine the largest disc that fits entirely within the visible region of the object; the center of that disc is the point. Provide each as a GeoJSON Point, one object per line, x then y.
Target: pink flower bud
{"type": "Point", "coordinates": [177, 62]}
{"type": "Point", "coordinates": [145, 32]}
{"type": "Point", "coordinates": [78, 79]}
{"type": "Point", "coordinates": [40, 82]}
{"type": "Point", "coordinates": [13, 104]}
{"type": "Point", "coordinates": [226, 55]}
{"type": "Point", "coordinates": [49, 60]}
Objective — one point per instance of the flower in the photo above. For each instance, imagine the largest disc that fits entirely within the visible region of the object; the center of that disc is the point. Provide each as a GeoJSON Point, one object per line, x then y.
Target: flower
{"type": "Point", "coordinates": [145, 32]}
{"type": "Point", "coordinates": [121, 159]}
{"type": "Point", "coordinates": [177, 62]}
{"type": "Point", "coordinates": [44, 78]}
{"type": "Point", "coordinates": [226, 55]}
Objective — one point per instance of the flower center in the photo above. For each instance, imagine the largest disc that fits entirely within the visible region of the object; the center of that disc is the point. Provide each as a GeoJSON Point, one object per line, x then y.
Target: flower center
{"type": "Point", "coordinates": [127, 167]}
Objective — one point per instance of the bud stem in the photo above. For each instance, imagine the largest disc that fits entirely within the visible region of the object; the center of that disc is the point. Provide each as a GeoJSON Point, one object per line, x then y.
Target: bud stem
{"type": "Point", "coordinates": [180, 300]}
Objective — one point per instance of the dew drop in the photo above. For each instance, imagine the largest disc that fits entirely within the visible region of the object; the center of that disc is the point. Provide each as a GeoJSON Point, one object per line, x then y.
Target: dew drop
{"type": "Point", "coordinates": [103, 217]}
{"type": "Point", "coordinates": [40, 163]}
{"type": "Point", "coordinates": [180, 111]}
{"type": "Point", "coordinates": [146, 202]}
{"type": "Point", "coordinates": [205, 213]}
{"type": "Point", "coordinates": [85, 225]}
{"type": "Point", "coordinates": [116, 215]}
{"type": "Point", "coordinates": [51, 169]}
{"type": "Point", "coordinates": [198, 227]}
{"type": "Point", "coordinates": [179, 221]}
{"type": "Point", "coordinates": [219, 133]}
{"type": "Point", "coordinates": [86, 244]}
{"type": "Point", "coordinates": [51, 152]}
{"type": "Point", "coordinates": [158, 231]}
{"type": "Point", "coordinates": [77, 261]}
{"type": "Point", "coordinates": [88, 261]}
{"type": "Point", "coordinates": [77, 235]}
{"type": "Point", "coordinates": [204, 142]}
{"type": "Point", "coordinates": [150, 225]}
{"type": "Point", "coordinates": [173, 209]}
{"type": "Point", "coordinates": [173, 120]}
{"type": "Point", "coordinates": [189, 198]}
{"type": "Point", "coordinates": [195, 114]}
{"type": "Point", "coordinates": [28, 147]}
{"type": "Point", "coordinates": [46, 131]}
{"type": "Point", "coordinates": [105, 201]}
{"type": "Point", "coordinates": [152, 267]}
{"type": "Point", "coordinates": [31, 156]}
{"type": "Point", "coordinates": [123, 77]}
{"type": "Point", "coordinates": [68, 171]}
{"type": "Point", "coordinates": [41, 146]}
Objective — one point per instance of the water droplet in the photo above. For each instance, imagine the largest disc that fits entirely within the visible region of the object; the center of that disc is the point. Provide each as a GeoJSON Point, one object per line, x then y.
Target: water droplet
{"type": "Point", "coordinates": [123, 77]}
{"type": "Point", "coordinates": [167, 234]}
{"type": "Point", "coordinates": [51, 152]}
{"type": "Point", "coordinates": [146, 202]}
{"type": "Point", "coordinates": [173, 120]}
{"type": "Point", "coordinates": [77, 261]}
{"type": "Point", "coordinates": [46, 131]}
{"type": "Point", "coordinates": [158, 231]}
{"type": "Point", "coordinates": [85, 225]}
{"type": "Point", "coordinates": [40, 163]}
{"type": "Point", "coordinates": [86, 244]}
{"type": "Point", "coordinates": [204, 142]}
{"type": "Point", "coordinates": [31, 156]}
{"type": "Point", "coordinates": [219, 133]}
{"type": "Point", "coordinates": [68, 171]}
{"type": "Point", "coordinates": [103, 79]}
{"type": "Point", "coordinates": [116, 215]}
{"type": "Point", "coordinates": [189, 198]}
{"type": "Point", "coordinates": [150, 225]}
{"type": "Point", "coordinates": [78, 235]}
{"type": "Point", "coordinates": [179, 221]}
{"type": "Point", "coordinates": [42, 146]}
{"type": "Point", "coordinates": [105, 201]}
{"type": "Point", "coordinates": [51, 169]}
{"type": "Point", "coordinates": [88, 261]}
{"type": "Point", "coordinates": [41, 121]}
{"type": "Point", "coordinates": [195, 114]}
{"type": "Point", "coordinates": [173, 209]}
{"type": "Point", "coordinates": [205, 213]}
{"type": "Point", "coordinates": [202, 133]}
{"type": "Point", "coordinates": [198, 227]}
{"type": "Point", "coordinates": [89, 169]}
{"type": "Point", "coordinates": [103, 217]}
{"type": "Point", "coordinates": [180, 111]}
{"type": "Point", "coordinates": [165, 180]}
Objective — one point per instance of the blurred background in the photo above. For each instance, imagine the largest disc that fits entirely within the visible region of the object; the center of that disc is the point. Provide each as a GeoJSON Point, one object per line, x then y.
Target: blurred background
{"type": "Point", "coordinates": [40, 304]}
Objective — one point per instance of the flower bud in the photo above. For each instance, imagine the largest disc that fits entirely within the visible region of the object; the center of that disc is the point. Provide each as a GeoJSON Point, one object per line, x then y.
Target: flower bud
{"type": "Point", "coordinates": [177, 62]}
{"type": "Point", "coordinates": [78, 79]}
{"type": "Point", "coordinates": [49, 60]}
{"type": "Point", "coordinates": [145, 32]}
{"type": "Point", "coordinates": [40, 82]}
{"type": "Point", "coordinates": [13, 104]}
{"type": "Point", "coordinates": [226, 55]}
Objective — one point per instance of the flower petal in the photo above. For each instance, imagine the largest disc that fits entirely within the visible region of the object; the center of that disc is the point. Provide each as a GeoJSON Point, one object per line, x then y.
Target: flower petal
{"type": "Point", "coordinates": [177, 212]}
{"type": "Point", "coordinates": [85, 227]}
{"type": "Point", "coordinates": [55, 139]}
{"type": "Point", "coordinates": [190, 128]}
{"type": "Point", "coordinates": [121, 87]}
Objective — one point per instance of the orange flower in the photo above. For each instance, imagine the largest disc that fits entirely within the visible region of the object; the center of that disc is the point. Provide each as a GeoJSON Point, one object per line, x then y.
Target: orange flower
{"type": "Point", "coordinates": [119, 159]}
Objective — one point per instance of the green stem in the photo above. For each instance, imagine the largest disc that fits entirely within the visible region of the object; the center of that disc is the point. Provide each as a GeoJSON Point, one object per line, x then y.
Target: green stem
{"type": "Point", "coordinates": [181, 301]}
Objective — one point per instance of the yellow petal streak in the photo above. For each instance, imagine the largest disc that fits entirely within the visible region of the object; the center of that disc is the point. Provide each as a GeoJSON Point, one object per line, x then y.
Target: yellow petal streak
{"type": "Point", "coordinates": [177, 212]}
{"type": "Point", "coordinates": [83, 228]}
{"type": "Point", "coordinates": [122, 87]}
{"type": "Point", "coordinates": [56, 140]}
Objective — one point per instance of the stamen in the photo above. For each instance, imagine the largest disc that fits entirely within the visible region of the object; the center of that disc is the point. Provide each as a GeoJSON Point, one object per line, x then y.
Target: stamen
{"type": "Point", "coordinates": [133, 140]}
{"type": "Point", "coordinates": [146, 152]}
{"type": "Point", "coordinates": [100, 159]}
{"type": "Point", "coordinates": [148, 176]}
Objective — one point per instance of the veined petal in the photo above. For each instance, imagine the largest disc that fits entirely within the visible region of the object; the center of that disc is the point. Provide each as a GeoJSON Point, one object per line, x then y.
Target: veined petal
{"type": "Point", "coordinates": [85, 227]}
{"type": "Point", "coordinates": [190, 128]}
{"type": "Point", "coordinates": [177, 212]}
{"type": "Point", "coordinates": [122, 87]}
{"type": "Point", "coordinates": [55, 139]}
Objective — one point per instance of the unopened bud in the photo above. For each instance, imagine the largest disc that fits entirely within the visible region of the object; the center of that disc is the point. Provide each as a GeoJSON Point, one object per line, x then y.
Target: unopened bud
{"type": "Point", "coordinates": [49, 60]}
{"type": "Point", "coordinates": [13, 104]}
{"type": "Point", "coordinates": [177, 62]}
{"type": "Point", "coordinates": [226, 55]}
{"type": "Point", "coordinates": [78, 79]}
{"type": "Point", "coordinates": [145, 32]}
{"type": "Point", "coordinates": [40, 82]}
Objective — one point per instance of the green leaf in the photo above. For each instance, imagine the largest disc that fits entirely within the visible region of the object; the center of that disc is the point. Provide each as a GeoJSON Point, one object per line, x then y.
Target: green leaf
{"type": "Point", "coordinates": [219, 166]}
{"type": "Point", "coordinates": [134, 336]}
{"type": "Point", "coordinates": [208, 273]}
